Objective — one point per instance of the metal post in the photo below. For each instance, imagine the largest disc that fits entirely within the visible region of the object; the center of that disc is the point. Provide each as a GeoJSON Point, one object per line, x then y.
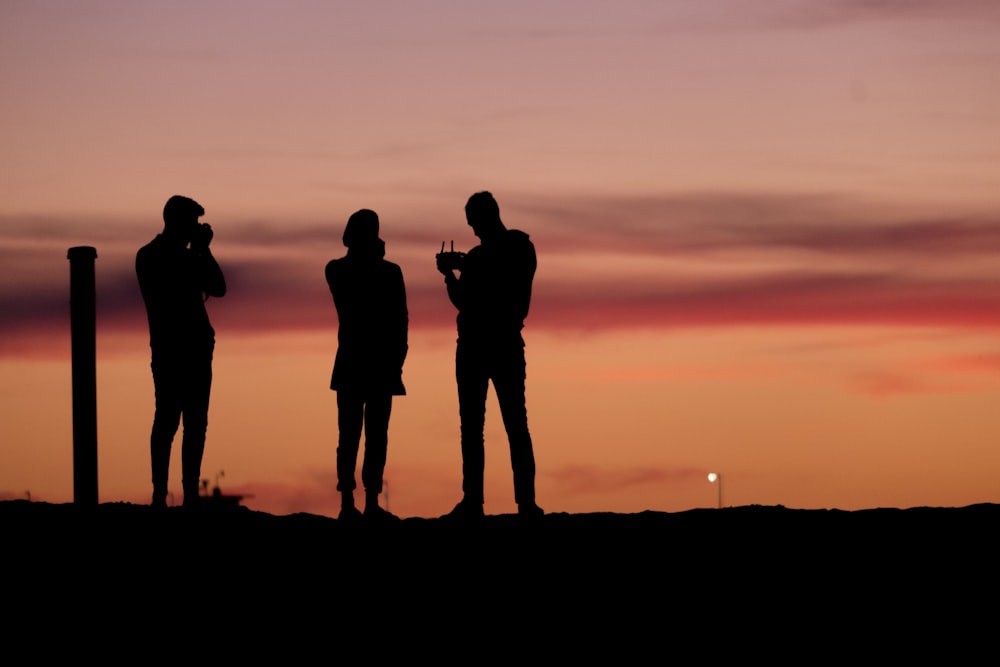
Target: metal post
{"type": "Point", "coordinates": [83, 324]}
{"type": "Point", "coordinates": [716, 478]}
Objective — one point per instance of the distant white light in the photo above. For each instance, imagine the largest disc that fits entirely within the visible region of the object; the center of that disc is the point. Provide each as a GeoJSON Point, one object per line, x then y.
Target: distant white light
{"type": "Point", "coordinates": [712, 476]}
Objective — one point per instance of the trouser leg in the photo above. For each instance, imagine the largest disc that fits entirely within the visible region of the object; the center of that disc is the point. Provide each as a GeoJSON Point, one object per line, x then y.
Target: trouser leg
{"type": "Point", "coordinates": [166, 420]}
{"type": "Point", "coordinates": [377, 412]}
{"type": "Point", "coordinates": [350, 416]}
{"type": "Point", "coordinates": [195, 415]}
{"type": "Point", "coordinates": [473, 382]}
{"type": "Point", "coordinates": [508, 381]}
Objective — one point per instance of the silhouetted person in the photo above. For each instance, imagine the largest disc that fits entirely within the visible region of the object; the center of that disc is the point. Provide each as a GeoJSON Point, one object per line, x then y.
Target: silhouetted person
{"type": "Point", "coordinates": [370, 298]}
{"type": "Point", "coordinates": [177, 273]}
{"type": "Point", "coordinates": [492, 293]}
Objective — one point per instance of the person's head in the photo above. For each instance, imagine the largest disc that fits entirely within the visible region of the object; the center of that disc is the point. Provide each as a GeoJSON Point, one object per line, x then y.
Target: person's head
{"type": "Point", "coordinates": [180, 216]}
{"type": "Point", "coordinates": [361, 229]}
{"type": "Point", "coordinates": [483, 214]}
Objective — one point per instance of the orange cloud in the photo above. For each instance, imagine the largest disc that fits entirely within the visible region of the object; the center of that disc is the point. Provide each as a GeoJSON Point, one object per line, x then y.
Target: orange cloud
{"type": "Point", "coordinates": [311, 496]}
{"type": "Point", "coordinates": [580, 479]}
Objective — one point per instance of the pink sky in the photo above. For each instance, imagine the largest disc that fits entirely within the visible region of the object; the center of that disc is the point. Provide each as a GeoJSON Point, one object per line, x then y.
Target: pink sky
{"type": "Point", "coordinates": [768, 238]}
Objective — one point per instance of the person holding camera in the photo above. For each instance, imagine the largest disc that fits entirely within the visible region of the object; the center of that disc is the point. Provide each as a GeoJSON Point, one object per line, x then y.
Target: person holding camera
{"type": "Point", "coordinates": [177, 273]}
{"type": "Point", "coordinates": [370, 298]}
{"type": "Point", "coordinates": [492, 293]}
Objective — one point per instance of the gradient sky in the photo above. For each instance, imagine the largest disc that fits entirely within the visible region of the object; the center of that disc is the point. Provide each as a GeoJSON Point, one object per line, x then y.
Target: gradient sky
{"type": "Point", "coordinates": [768, 238]}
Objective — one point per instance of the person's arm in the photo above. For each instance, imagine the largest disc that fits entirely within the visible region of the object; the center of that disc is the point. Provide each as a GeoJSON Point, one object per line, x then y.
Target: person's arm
{"type": "Point", "coordinates": [447, 264]}
{"type": "Point", "coordinates": [154, 282]}
{"type": "Point", "coordinates": [331, 279]}
{"type": "Point", "coordinates": [455, 292]}
{"type": "Point", "coordinates": [403, 318]}
{"type": "Point", "coordinates": [523, 277]}
{"type": "Point", "coordinates": [213, 283]}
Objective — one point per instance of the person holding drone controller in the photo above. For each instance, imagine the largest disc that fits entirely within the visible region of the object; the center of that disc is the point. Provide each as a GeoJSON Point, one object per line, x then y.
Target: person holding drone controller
{"type": "Point", "coordinates": [492, 293]}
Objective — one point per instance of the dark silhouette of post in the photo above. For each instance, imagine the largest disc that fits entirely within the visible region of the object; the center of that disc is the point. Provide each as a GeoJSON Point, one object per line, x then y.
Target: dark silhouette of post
{"type": "Point", "coordinates": [83, 323]}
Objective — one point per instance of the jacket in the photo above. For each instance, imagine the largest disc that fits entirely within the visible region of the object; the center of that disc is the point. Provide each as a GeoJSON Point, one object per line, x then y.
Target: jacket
{"type": "Point", "coordinates": [370, 299]}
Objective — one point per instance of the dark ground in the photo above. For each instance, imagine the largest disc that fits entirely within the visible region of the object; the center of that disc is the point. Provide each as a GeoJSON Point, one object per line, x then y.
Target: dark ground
{"type": "Point", "coordinates": [754, 584]}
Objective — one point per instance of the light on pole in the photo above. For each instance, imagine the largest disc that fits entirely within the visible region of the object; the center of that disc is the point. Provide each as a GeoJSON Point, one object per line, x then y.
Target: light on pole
{"type": "Point", "coordinates": [714, 478]}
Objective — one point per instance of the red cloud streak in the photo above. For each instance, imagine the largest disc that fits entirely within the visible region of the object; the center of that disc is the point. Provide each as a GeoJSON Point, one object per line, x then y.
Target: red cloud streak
{"type": "Point", "coordinates": [605, 264]}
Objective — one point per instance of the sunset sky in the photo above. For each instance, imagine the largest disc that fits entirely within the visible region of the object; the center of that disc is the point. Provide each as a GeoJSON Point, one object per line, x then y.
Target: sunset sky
{"type": "Point", "coordinates": [768, 239]}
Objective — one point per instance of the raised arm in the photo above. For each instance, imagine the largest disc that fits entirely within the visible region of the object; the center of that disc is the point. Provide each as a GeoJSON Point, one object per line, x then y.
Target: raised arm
{"type": "Point", "coordinates": [213, 283]}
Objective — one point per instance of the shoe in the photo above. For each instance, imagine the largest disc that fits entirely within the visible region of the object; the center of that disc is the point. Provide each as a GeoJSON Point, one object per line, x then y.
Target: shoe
{"type": "Point", "coordinates": [530, 510]}
{"type": "Point", "coordinates": [375, 513]}
{"type": "Point", "coordinates": [466, 511]}
{"type": "Point", "coordinates": [349, 514]}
